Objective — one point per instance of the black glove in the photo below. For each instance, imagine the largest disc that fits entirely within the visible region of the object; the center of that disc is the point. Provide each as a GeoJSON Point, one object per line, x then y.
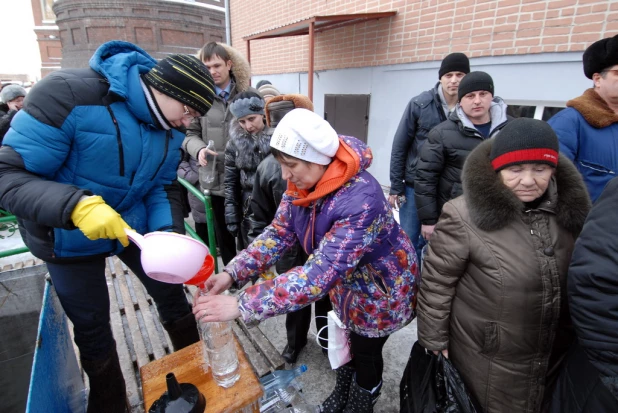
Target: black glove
{"type": "Point", "coordinates": [233, 229]}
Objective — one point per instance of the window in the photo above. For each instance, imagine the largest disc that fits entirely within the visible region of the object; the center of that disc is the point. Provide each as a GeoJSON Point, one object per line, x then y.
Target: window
{"type": "Point", "coordinates": [533, 109]}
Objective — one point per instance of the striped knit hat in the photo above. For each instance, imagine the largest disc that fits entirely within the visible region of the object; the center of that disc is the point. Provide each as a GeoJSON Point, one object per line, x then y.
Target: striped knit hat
{"type": "Point", "coordinates": [524, 140]}
{"type": "Point", "coordinates": [183, 78]}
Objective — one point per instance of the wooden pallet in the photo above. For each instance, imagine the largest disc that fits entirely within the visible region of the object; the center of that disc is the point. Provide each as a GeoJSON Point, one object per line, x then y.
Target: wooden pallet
{"type": "Point", "coordinates": [140, 337]}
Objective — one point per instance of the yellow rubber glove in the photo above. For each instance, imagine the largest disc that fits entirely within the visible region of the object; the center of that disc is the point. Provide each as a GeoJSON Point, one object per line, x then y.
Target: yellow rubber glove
{"type": "Point", "coordinates": [98, 220]}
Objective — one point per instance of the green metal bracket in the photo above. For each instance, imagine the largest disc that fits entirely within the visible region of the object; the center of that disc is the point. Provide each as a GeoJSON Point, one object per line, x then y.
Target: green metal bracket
{"type": "Point", "coordinates": [210, 219]}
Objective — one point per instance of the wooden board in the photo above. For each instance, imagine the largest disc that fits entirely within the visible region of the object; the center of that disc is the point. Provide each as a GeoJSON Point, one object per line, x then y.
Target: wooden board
{"type": "Point", "coordinates": [186, 365]}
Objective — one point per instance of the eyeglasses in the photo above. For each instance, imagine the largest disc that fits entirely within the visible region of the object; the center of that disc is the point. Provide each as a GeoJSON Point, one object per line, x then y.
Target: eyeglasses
{"type": "Point", "coordinates": [188, 114]}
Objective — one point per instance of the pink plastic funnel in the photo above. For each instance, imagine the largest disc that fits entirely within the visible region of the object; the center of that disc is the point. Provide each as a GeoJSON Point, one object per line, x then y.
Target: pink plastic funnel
{"type": "Point", "coordinates": [169, 257]}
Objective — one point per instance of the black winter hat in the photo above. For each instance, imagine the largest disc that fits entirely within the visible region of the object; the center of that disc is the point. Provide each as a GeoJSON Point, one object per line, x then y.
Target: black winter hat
{"type": "Point", "coordinates": [524, 140]}
{"type": "Point", "coordinates": [600, 55]}
{"type": "Point", "coordinates": [183, 78]}
{"type": "Point", "coordinates": [455, 62]}
{"type": "Point", "coordinates": [473, 82]}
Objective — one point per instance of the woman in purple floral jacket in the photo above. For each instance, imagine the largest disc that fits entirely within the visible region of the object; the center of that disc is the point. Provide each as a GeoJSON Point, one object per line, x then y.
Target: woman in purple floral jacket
{"type": "Point", "coordinates": [359, 255]}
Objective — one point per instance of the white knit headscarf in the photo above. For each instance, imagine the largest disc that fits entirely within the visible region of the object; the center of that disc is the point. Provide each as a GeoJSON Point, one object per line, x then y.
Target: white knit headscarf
{"type": "Point", "coordinates": [305, 135]}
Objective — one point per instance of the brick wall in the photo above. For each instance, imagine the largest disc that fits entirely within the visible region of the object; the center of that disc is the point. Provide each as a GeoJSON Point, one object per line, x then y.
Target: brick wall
{"type": "Point", "coordinates": [422, 30]}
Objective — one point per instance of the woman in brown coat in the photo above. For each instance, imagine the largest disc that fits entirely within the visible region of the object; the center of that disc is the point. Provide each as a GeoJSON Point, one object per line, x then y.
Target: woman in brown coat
{"type": "Point", "coordinates": [492, 295]}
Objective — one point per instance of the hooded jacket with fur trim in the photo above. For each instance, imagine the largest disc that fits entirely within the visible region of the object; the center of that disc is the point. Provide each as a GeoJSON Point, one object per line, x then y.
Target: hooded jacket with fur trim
{"type": "Point", "coordinates": [83, 132]}
{"type": "Point", "coordinates": [494, 284]}
{"type": "Point", "coordinates": [215, 125]}
{"type": "Point", "coordinates": [588, 133]}
{"type": "Point", "coordinates": [358, 252]}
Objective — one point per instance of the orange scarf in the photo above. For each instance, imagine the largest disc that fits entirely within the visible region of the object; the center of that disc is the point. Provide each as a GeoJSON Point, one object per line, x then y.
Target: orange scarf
{"type": "Point", "coordinates": [343, 167]}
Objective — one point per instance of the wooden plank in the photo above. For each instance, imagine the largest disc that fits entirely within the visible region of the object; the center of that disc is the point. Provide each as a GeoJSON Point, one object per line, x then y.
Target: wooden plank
{"type": "Point", "coordinates": [256, 359]}
{"type": "Point", "coordinates": [158, 342]}
{"type": "Point", "coordinates": [128, 279]}
{"type": "Point", "coordinates": [131, 317]}
{"type": "Point", "coordinates": [127, 359]}
{"type": "Point", "coordinates": [186, 365]}
{"type": "Point", "coordinates": [263, 345]}
{"type": "Point", "coordinates": [162, 335]}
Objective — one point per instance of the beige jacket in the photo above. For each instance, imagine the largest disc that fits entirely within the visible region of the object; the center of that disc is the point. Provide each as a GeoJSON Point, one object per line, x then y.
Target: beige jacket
{"type": "Point", "coordinates": [215, 125]}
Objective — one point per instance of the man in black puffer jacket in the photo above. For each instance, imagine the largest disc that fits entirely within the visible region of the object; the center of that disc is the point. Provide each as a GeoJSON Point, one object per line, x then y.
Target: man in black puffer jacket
{"type": "Point", "coordinates": [478, 116]}
{"type": "Point", "coordinates": [422, 114]}
{"type": "Point", "coordinates": [588, 382]}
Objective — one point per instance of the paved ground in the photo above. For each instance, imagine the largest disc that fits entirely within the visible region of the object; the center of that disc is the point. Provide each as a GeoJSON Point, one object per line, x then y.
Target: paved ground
{"type": "Point", "coordinates": [319, 380]}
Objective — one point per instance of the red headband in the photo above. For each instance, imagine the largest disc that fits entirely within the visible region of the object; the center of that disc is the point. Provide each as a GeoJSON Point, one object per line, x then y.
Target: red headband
{"type": "Point", "coordinates": [544, 155]}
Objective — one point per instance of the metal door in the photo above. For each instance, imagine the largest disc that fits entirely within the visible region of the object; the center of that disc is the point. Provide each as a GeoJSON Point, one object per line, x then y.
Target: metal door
{"type": "Point", "coordinates": [348, 114]}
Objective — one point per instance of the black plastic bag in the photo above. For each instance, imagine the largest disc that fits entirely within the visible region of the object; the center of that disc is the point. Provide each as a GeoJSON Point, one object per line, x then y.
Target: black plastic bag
{"type": "Point", "coordinates": [417, 390]}
{"type": "Point", "coordinates": [431, 384]}
{"type": "Point", "coordinates": [452, 394]}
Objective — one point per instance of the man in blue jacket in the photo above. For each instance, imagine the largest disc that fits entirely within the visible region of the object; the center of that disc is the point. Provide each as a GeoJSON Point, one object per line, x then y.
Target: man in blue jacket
{"type": "Point", "coordinates": [420, 116]}
{"type": "Point", "coordinates": [92, 152]}
{"type": "Point", "coordinates": [588, 127]}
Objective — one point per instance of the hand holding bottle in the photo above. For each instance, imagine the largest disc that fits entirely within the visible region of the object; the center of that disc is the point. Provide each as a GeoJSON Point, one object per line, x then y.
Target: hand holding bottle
{"type": "Point", "coordinates": [203, 154]}
{"type": "Point", "coordinates": [215, 308]}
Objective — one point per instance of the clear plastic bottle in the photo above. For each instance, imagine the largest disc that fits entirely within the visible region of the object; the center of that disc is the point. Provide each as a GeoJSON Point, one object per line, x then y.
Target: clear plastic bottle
{"type": "Point", "coordinates": [281, 379]}
{"type": "Point", "coordinates": [208, 173]}
{"type": "Point", "coordinates": [219, 348]}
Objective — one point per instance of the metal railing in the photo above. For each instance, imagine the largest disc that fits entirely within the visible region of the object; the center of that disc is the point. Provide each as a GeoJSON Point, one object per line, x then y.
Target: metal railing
{"type": "Point", "coordinates": [5, 217]}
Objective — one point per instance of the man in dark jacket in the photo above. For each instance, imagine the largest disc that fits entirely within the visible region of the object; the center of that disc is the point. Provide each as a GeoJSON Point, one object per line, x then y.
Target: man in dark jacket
{"type": "Point", "coordinates": [94, 151]}
{"type": "Point", "coordinates": [422, 114]}
{"type": "Point", "coordinates": [588, 127]}
{"type": "Point", "coordinates": [11, 101]}
{"type": "Point", "coordinates": [478, 116]}
{"type": "Point", "coordinates": [268, 190]}
{"type": "Point", "coordinates": [589, 380]}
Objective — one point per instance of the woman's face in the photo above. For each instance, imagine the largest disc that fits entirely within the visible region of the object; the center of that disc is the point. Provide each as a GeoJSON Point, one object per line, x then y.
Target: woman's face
{"type": "Point", "coordinates": [253, 124]}
{"type": "Point", "coordinates": [305, 175]}
{"type": "Point", "coordinates": [527, 181]}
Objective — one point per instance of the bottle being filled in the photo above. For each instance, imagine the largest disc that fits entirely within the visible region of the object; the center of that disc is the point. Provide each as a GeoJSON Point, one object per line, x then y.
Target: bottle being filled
{"type": "Point", "coordinates": [219, 349]}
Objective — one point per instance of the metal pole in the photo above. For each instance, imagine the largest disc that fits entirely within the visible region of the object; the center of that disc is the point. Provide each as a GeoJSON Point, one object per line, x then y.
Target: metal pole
{"type": "Point", "coordinates": [210, 222]}
{"type": "Point", "coordinates": [311, 57]}
{"type": "Point", "coordinates": [228, 26]}
{"type": "Point", "coordinates": [15, 251]}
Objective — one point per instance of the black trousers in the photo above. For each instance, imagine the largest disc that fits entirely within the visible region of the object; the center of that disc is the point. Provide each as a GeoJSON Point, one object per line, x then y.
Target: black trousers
{"type": "Point", "coordinates": [367, 359]}
{"type": "Point", "coordinates": [225, 240]}
{"type": "Point", "coordinates": [82, 290]}
{"type": "Point", "coordinates": [297, 323]}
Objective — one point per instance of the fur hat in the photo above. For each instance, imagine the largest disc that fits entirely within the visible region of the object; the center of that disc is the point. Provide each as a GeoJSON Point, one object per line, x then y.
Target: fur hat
{"type": "Point", "coordinates": [600, 55]}
{"type": "Point", "coordinates": [11, 92]}
{"type": "Point", "coordinates": [183, 78]}
{"type": "Point", "coordinates": [268, 90]}
{"type": "Point", "coordinates": [262, 83]}
{"type": "Point", "coordinates": [277, 107]}
{"type": "Point", "coordinates": [524, 140]}
{"type": "Point", "coordinates": [455, 62]}
{"type": "Point", "coordinates": [305, 135]}
{"type": "Point", "coordinates": [475, 81]}
{"type": "Point", "coordinates": [247, 103]}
